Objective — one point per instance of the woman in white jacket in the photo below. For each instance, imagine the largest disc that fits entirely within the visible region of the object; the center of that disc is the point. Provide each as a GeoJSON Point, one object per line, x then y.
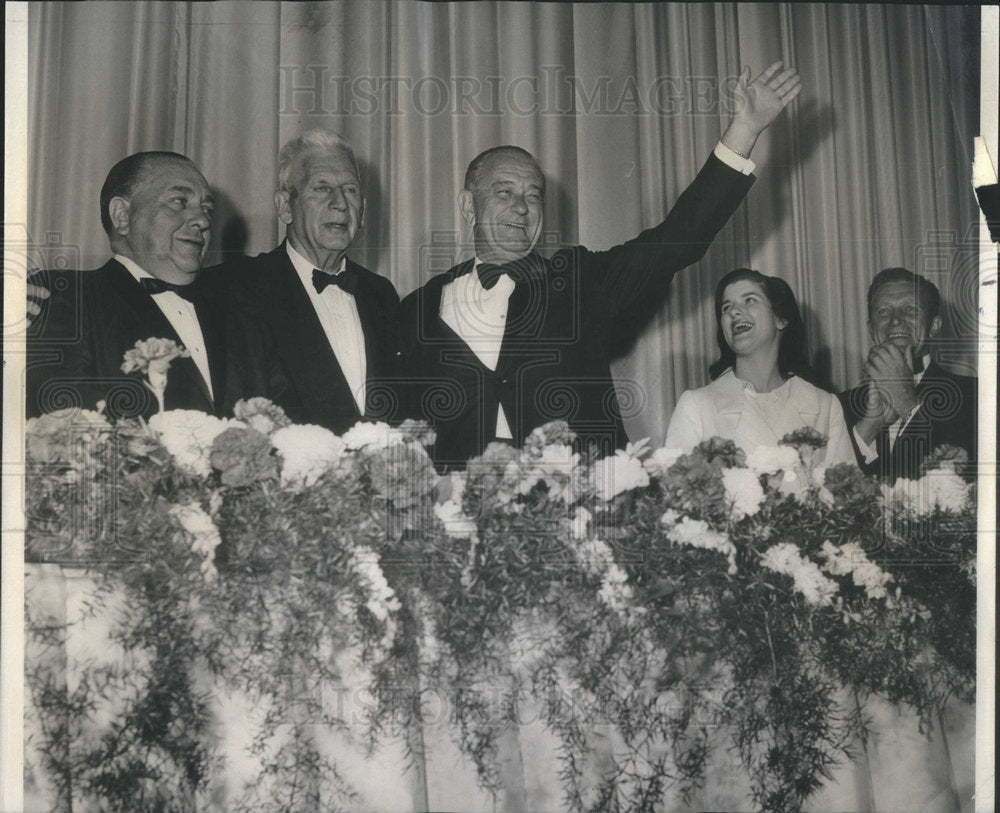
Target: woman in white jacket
{"type": "Point", "coordinates": [759, 390]}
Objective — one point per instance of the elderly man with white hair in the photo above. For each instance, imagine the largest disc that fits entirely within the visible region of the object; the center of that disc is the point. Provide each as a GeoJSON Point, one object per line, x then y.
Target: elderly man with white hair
{"type": "Point", "coordinates": [332, 319]}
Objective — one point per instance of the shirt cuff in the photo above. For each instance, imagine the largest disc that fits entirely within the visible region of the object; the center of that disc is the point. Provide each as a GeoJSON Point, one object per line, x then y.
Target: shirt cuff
{"type": "Point", "coordinates": [733, 159]}
{"type": "Point", "coordinates": [867, 451]}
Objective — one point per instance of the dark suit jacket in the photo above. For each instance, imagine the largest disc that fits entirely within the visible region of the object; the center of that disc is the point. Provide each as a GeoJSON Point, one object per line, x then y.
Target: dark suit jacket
{"type": "Point", "coordinates": [947, 415]}
{"type": "Point", "coordinates": [272, 290]}
{"type": "Point", "coordinates": [77, 343]}
{"type": "Point", "coordinates": [561, 322]}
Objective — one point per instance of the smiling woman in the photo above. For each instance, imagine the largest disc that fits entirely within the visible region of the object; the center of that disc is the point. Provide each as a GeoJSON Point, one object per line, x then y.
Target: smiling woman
{"type": "Point", "coordinates": [760, 390]}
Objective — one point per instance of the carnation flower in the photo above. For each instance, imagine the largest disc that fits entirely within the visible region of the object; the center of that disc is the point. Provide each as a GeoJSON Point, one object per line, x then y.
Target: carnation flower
{"type": "Point", "coordinates": [615, 590]}
{"type": "Point", "coordinates": [206, 539]}
{"type": "Point", "coordinates": [945, 457]}
{"type": "Point", "coordinates": [594, 555]}
{"type": "Point", "coordinates": [696, 534]}
{"type": "Point", "coordinates": [188, 435]}
{"type": "Point", "coordinates": [553, 433]}
{"type": "Point", "coordinates": [852, 559]}
{"type": "Point", "coordinates": [261, 414]}
{"type": "Point", "coordinates": [657, 464]}
{"type": "Point", "coordinates": [940, 489]}
{"type": "Point", "coordinates": [554, 465]}
{"type": "Point", "coordinates": [614, 475]}
{"type": "Point", "coordinates": [402, 473]}
{"type": "Point", "coordinates": [456, 523]}
{"type": "Point", "coordinates": [772, 459]}
{"type": "Point", "coordinates": [152, 358]}
{"type": "Point", "coordinates": [307, 452]}
{"type": "Point", "coordinates": [808, 579]}
{"type": "Point", "coordinates": [243, 456]}
{"type": "Point", "coordinates": [365, 434]}
{"type": "Point", "coordinates": [68, 436]}
{"type": "Point", "coordinates": [743, 491]}
{"type": "Point", "coordinates": [417, 432]}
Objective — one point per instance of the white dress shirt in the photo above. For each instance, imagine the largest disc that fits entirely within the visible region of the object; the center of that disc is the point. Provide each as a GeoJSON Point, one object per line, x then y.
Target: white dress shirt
{"type": "Point", "coordinates": [182, 317]}
{"type": "Point", "coordinates": [338, 314]}
{"type": "Point", "coordinates": [479, 317]}
{"type": "Point", "coordinates": [897, 426]}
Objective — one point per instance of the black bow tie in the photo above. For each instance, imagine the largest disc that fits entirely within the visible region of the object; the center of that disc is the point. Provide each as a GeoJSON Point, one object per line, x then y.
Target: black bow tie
{"type": "Point", "coordinates": [192, 292]}
{"type": "Point", "coordinates": [490, 273]}
{"type": "Point", "coordinates": [346, 280]}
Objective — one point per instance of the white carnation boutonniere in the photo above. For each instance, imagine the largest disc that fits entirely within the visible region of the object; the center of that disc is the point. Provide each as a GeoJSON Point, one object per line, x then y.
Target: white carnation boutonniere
{"type": "Point", "coordinates": [152, 358]}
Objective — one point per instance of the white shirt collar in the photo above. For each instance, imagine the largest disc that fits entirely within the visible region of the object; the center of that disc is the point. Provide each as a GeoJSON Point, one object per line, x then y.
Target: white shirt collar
{"type": "Point", "coordinates": [305, 267]}
{"type": "Point", "coordinates": [133, 267]}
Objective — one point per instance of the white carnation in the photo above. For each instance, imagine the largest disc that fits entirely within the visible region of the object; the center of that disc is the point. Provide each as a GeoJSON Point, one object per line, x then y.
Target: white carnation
{"type": "Point", "coordinates": [743, 491]}
{"type": "Point", "coordinates": [378, 435]}
{"type": "Point", "coordinates": [307, 452]}
{"type": "Point", "coordinates": [852, 559]}
{"type": "Point", "coordinates": [808, 578]}
{"type": "Point", "coordinates": [615, 590]}
{"type": "Point", "coordinates": [199, 524]}
{"type": "Point", "coordinates": [696, 534]}
{"type": "Point", "coordinates": [614, 475]}
{"type": "Point", "coordinates": [772, 459]}
{"type": "Point", "coordinates": [188, 434]}
{"type": "Point", "coordinates": [938, 489]}
{"type": "Point", "coordinates": [659, 461]}
{"type": "Point", "coordinates": [594, 555]}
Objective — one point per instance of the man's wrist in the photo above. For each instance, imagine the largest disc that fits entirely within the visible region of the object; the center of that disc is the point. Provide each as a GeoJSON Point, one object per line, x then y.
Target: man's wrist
{"type": "Point", "coordinates": [740, 138]}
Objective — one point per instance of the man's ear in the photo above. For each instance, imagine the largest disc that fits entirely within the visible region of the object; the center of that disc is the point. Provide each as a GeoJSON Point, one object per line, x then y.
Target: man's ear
{"type": "Point", "coordinates": [361, 214]}
{"type": "Point", "coordinates": [466, 207]}
{"type": "Point", "coordinates": [781, 323]}
{"type": "Point", "coordinates": [120, 213]}
{"type": "Point", "coordinates": [935, 327]}
{"type": "Point", "coordinates": [281, 205]}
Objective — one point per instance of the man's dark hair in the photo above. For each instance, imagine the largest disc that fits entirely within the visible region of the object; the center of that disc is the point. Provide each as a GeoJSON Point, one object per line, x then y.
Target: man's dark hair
{"type": "Point", "coordinates": [927, 292]}
{"type": "Point", "coordinates": [124, 177]}
{"type": "Point", "coordinates": [792, 344]}
{"type": "Point", "coordinates": [476, 165]}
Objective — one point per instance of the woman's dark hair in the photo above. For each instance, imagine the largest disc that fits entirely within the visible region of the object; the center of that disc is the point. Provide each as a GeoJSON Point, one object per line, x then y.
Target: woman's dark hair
{"type": "Point", "coordinates": [792, 344]}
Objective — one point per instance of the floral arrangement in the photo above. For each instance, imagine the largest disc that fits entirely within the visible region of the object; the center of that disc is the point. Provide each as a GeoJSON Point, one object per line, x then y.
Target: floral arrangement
{"type": "Point", "coordinates": [650, 590]}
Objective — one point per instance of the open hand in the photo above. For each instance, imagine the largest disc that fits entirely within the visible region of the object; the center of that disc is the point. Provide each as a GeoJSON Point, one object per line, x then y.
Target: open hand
{"type": "Point", "coordinates": [758, 103]}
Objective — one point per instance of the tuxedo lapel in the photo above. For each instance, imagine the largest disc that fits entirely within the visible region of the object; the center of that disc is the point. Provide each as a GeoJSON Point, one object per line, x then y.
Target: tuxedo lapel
{"type": "Point", "coordinates": [372, 324]}
{"type": "Point", "coordinates": [212, 318]}
{"type": "Point", "coordinates": [298, 328]}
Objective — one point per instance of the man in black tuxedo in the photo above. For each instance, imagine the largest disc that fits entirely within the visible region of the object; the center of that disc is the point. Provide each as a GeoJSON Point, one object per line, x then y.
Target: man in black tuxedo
{"type": "Point", "coordinates": [509, 340]}
{"type": "Point", "coordinates": [908, 405]}
{"type": "Point", "coordinates": [156, 208]}
{"type": "Point", "coordinates": [333, 320]}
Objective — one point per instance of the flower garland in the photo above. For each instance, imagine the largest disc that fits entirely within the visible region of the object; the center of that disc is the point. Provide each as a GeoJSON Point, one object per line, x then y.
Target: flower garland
{"type": "Point", "coordinates": [253, 550]}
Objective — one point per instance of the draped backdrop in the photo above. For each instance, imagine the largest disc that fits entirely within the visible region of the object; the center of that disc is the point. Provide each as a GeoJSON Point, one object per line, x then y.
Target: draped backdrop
{"type": "Point", "coordinates": [620, 103]}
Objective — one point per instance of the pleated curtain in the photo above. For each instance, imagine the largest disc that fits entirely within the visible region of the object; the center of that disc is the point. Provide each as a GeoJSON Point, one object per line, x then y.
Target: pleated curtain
{"type": "Point", "coordinates": [620, 103]}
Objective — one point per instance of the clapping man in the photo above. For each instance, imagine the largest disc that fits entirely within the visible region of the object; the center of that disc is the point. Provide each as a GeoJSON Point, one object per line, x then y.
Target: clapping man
{"type": "Point", "coordinates": [509, 340]}
{"type": "Point", "coordinates": [908, 405]}
{"type": "Point", "coordinates": [156, 208]}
